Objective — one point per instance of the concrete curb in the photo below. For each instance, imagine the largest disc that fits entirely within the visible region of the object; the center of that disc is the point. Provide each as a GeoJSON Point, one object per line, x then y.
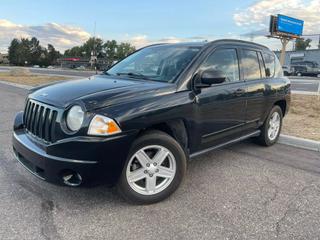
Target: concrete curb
{"type": "Point", "coordinates": [299, 142]}
{"type": "Point", "coordinates": [305, 93]}
{"type": "Point", "coordinates": [303, 78]}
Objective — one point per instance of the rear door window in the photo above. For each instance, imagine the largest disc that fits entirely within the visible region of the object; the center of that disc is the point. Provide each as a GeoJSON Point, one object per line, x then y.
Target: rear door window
{"type": "Point", "coordinates": [250, 65]}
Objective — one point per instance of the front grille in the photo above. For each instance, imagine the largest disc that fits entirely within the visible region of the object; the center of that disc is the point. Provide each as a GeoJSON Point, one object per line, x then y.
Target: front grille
{"type": "Point", "coordinates": [40, 119]}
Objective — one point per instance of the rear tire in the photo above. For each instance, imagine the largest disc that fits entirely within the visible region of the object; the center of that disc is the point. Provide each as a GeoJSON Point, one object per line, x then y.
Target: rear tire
{"type": "Point", "coordinates": [271, 128]}
{"type": "Point", "coordinates": [154, 169]}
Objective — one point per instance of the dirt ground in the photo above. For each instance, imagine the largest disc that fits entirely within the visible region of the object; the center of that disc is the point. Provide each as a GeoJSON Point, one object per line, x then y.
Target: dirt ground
{"type": "Point", "coordinates": [30, 79]}
{"type": "Point", "coordinates": [303, 119]}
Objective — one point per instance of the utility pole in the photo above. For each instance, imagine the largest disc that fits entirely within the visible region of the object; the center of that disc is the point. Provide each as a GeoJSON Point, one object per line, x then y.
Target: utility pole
{"type": "Point", "coordinates": [94, 51]}
{"type": "Point", "coordinates": [284, 42]}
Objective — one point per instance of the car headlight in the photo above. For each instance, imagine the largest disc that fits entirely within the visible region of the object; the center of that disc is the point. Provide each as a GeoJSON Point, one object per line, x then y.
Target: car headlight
{"type": "Point", "coordinates": [103, 126]}
{"type": "Point", "coordinates": [75, 118]}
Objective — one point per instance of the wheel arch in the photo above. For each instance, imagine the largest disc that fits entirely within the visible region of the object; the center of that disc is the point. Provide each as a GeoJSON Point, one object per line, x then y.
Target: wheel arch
{"type": "Point", "coordinates": [283, 105]}
{"type": "Point", "coordinates": [175, 128]}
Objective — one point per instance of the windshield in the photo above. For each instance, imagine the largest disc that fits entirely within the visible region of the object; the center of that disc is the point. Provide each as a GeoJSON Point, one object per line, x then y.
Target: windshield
{"type": "Point", "coordinates": [159, 63]}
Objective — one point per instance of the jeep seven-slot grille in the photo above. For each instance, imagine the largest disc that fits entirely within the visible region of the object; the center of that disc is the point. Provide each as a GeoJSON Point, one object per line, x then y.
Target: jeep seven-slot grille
{"type": "Point", "coordinates": [39, 119]}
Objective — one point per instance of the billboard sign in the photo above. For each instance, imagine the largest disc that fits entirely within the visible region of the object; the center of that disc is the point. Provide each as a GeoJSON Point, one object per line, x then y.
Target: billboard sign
{"type": "Point", "coordinates": [289, 25]}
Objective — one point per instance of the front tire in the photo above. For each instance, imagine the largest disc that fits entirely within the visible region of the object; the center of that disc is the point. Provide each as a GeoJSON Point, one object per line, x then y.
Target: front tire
{"type": "Point", "coordinates": [154, 169]}
{"type": "Point", "coordinates": [270, 130]}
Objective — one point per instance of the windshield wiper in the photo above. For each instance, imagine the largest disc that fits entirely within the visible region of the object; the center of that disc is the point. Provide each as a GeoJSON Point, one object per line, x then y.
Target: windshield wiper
{"type": "Point", "coordinates": [132, 74]}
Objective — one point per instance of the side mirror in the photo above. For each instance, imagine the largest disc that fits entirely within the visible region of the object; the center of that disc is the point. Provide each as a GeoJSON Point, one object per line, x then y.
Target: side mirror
{"type": "Point", "coordinates": [210, 76]}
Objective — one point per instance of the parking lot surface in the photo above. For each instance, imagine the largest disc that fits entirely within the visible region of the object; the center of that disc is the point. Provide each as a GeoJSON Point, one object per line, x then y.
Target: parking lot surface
{"type": "Point", "coordinates": [305, 84]}
{"type": "Point", "coordinates": [241, 192]}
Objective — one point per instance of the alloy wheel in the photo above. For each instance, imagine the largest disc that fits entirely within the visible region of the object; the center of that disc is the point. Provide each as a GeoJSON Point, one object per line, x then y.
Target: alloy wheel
{"type": "Point", "coordinates": [151, 170]}
{"type": "Point", "coordinates": [274, 126]}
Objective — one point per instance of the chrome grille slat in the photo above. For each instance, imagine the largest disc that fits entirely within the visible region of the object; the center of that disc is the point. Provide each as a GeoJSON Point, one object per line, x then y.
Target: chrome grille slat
{"type": "Point", "coordinates": [26, 110]}
{"type": "Point", "coordinates": [46, 124]}
{"type": "Point", "coordinates": [39, 120]}
{"type": "Point", "coordinates": [33, 116]}
{"type": "Point", "coordinates": [52, 125]}
{"type": "Point", "coordinates": [28, 123]}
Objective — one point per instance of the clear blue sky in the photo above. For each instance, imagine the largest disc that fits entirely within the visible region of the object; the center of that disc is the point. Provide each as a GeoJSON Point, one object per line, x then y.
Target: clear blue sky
{"type": "Point", "coordinates": [66, 23]}
{"type": "Point", "coordinates": [154, 18]}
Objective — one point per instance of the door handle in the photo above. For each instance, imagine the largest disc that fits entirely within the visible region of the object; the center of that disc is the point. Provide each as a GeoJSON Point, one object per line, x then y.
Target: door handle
{"type": "Point", "coordinates": [239, 91]}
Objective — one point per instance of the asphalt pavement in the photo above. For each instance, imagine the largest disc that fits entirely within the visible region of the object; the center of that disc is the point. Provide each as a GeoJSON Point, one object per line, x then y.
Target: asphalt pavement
{"type": "Point", "coordinates": [305, 84]}
{"type": "Point", "coordinates": [244, 191]}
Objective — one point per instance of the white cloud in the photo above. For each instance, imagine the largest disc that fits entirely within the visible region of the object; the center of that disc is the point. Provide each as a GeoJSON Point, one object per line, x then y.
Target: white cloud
{"type": "Point", "coordinates": [61, 36]}
{"type": "Point", "coordinates": [143, 40]}
{"type": "Point", "coordinates": [255, 19]}
{"type": "Point", "coordinates": [258, 14]}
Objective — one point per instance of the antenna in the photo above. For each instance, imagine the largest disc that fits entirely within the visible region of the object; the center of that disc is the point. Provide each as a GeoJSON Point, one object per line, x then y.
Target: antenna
{"type": "Point", "coordinates": [94, 53]}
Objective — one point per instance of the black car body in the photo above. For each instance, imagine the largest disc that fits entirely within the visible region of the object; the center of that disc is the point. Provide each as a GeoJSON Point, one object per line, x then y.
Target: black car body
{"type": "Point", "coordinates": [198, 115]}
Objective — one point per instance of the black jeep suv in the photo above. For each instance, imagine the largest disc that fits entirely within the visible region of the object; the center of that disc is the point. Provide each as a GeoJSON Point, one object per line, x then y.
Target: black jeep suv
{"type": "Point", "coordinates": [138, 123]}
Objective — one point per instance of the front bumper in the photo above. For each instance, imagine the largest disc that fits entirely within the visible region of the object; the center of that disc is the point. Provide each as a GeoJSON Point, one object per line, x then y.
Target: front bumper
{"type": "Point", "coordinates": [96, 159]}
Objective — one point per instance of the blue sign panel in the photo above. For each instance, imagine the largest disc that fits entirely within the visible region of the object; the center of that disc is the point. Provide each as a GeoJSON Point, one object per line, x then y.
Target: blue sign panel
{"type": "Point", "coordinates": [289, 25]}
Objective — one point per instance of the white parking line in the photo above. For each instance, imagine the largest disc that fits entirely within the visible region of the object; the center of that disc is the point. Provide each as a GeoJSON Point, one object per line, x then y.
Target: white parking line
{"type": "Point", "coordinates": [308, 83]}
{"type": "Point", "coordinates": [17, 85]}
{"type": "Point", "coordinates": [305, 93]}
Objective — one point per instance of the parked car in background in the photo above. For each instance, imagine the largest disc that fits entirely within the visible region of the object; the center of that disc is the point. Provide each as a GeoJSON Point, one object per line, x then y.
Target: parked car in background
{"type": "Point", "coordinates": [286, 70]}
{"type": "Point", "coordinates": [305, 68]}
{"type": "Point", "coordinates": [36, 66]}
{"type": "Point", "coordinates": [81, 68]}
{"type": "Point", "coordinates": [137, 124]}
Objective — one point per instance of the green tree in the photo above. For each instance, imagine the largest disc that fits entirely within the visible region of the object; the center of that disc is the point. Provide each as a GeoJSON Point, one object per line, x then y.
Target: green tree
{"type": "Point", "coordinates": [91, 45]}
{"type": "Point", "coordinates": [124, 49]}
{"type": "Point", "coordinates": [52, 55]}
{"type": "Point", "coordinates": [19, 52]}
{"type": "Point", "coordinates": [86, 49]}
{"type": "Point", "coordinates": [302, 44]}
{"type": "Point", "coordinates": [74, 52]}
{"type": "Point", "coordinates": [36, 52]}
{"type": "Point", "coordinates": [13, 52]}
{"type": "Point", "coordinates": [107, 52]}
{"type": "Point", "coordinates": [29, 52]}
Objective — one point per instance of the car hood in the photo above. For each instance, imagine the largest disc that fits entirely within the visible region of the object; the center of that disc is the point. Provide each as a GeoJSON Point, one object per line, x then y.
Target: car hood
{"type": "Point", "coordinates": [99, 91]}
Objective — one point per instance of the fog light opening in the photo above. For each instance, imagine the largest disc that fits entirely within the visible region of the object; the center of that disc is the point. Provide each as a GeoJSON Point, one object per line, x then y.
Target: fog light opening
{"type": "Point", "coordinates": [72, 178]}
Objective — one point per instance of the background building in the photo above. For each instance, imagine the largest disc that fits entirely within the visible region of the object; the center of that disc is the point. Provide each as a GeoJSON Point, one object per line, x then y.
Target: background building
{"type": "Point", "coordinates": [4, 58]}
{"type": "Point", "coordinates": [298, 56]}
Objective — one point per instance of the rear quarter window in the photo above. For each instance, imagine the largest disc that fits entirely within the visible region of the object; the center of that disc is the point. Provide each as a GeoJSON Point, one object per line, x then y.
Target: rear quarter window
{"type": "Point", "coordinates": [269, 62]}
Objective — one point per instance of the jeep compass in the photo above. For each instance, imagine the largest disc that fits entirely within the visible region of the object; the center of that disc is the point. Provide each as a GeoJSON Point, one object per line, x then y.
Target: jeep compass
{"type": "Point", "coordinates": [137, 124]}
